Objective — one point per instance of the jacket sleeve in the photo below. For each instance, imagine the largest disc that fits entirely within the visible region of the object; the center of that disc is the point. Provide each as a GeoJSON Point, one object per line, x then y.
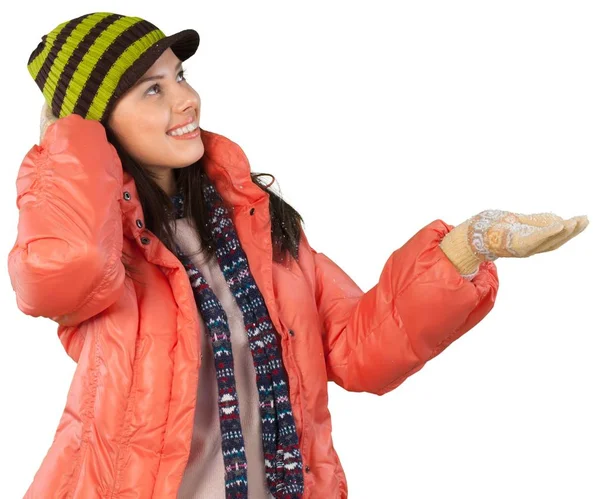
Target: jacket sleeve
{"type": "Point", "coordinates": [373, 341]}
{"type": "Point", "coordinates": [66, 262]}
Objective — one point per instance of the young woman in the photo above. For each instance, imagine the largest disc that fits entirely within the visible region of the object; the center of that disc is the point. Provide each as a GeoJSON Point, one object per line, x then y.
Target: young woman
{"type": "Point", "coordinates": [204, 325]}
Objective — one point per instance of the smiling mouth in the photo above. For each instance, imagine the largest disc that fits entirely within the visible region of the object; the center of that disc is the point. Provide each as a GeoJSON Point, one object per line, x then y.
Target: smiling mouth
{"type": "Point", "coordinates": [185, 127]}
{"type": "Point", "coordinates": [188, 135]}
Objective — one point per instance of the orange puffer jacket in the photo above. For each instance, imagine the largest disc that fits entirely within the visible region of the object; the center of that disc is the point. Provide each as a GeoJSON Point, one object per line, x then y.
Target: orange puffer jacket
{"type": "Point", "coordinates": [127, 423]}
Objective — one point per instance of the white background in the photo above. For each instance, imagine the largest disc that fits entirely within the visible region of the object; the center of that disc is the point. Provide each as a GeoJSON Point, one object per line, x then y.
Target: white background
{"type": "Point", "coordinates": [377, 118]}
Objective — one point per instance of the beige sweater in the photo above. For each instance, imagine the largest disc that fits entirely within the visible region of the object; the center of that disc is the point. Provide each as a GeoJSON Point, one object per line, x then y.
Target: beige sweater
{"type": "Point", "coordinates": [203, 477]}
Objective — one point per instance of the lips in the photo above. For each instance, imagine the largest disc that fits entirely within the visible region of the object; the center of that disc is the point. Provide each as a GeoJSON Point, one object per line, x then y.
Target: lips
{"type": "Point", "coordinates": [186, 136]}
{"type": "Point", "coordinates": [186, 122]}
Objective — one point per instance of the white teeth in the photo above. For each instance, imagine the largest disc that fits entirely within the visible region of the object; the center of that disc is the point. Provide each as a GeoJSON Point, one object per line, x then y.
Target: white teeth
{"type": "Point", "coordinates": [184, 129]}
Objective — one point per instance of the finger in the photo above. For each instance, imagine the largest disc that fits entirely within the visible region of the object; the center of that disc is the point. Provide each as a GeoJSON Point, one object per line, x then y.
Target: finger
{"type": "Point", "coordinates": [43, 114]}
{"type": "Point", "coordinates": [559, 239]}
{"type": "Point", "coordinates": [576, 225]}
{"type": "Point", "coordinates": [525, 239]}
{"type": "Point", "coordinates": [582, 223]}
{"type": "Point", "coordinates": [47, 113]}
{"type": "Point", "coordinates": [540, 219]}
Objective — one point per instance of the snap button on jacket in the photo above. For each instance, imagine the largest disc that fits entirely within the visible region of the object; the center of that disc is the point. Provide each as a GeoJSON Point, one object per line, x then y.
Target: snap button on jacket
{"type": "Point", "coordinates": [127, 424]}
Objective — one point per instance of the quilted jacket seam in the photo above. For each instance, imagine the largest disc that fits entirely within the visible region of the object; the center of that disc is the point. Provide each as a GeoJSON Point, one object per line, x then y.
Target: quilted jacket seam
{"type": "Point", "coordinates": [392, 310]}
{"type": "Point", "coordinates": [442, 341]}
{"type": "Point", "coordinates": [88, 415]}
{"type": "Point", "coordinates": [125, 430]}
{"type": "Point", "coordinates": [106, 278]}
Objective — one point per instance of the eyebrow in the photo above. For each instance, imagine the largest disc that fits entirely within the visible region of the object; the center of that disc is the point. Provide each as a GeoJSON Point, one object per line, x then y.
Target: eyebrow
{"type": "Point", "coordinates": [156, 77]}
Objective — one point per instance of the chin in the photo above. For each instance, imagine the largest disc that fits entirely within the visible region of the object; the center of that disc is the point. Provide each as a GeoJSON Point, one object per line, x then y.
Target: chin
{"type": "Point", "coordinates": [190, 158]}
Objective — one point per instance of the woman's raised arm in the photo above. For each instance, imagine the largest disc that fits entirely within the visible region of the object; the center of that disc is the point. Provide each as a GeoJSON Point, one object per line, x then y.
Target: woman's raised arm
{"type": "Point", "coordinates": [66, 262]}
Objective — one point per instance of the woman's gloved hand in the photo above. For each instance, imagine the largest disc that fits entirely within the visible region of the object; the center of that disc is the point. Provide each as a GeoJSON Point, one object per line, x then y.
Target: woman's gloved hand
{"type": "Point", "coordinates": [492, 234]}
{"type": "Point", "coordinates": [46, 119]}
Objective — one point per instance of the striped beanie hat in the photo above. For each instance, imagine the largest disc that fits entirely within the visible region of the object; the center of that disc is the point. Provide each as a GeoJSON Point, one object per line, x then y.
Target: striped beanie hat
{"type": "Point", "coordinates": [82, 66]}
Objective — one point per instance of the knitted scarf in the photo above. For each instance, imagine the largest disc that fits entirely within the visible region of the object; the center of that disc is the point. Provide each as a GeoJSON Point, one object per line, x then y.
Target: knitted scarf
{"type": "Point", "coordinates": [283, 461]}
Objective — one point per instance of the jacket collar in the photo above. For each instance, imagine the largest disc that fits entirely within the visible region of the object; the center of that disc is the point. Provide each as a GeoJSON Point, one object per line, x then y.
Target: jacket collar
{"type": "Point", "coordinates": [225, 164]}
{"type": "Point", "coordinates": [228, 168]}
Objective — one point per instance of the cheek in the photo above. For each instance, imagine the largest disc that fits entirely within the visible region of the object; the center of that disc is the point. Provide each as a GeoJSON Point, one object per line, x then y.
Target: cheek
{"type": "Point", "coordinates": [147, 145]}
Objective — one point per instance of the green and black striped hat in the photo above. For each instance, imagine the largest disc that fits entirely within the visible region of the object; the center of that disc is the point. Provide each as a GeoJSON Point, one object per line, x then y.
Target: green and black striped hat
{"type": "Point", "coordinates": [82, 66]}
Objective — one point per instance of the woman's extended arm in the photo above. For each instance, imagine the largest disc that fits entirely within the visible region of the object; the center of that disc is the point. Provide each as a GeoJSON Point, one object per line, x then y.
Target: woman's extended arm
{"type": "Point", "coordinates": [373, 341]}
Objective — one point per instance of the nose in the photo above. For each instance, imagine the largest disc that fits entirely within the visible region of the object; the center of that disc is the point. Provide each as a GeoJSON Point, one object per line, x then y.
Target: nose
{"type": "Point", "coordinates": [185, 99]}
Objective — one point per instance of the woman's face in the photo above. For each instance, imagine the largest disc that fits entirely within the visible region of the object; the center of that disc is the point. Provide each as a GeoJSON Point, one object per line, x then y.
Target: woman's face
{"type": "Point", "coordinates": [142, 117]}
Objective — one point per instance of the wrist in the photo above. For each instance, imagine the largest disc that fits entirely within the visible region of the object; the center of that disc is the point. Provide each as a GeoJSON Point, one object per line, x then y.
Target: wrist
{"type": "Point", "coordinates": [456, 247]}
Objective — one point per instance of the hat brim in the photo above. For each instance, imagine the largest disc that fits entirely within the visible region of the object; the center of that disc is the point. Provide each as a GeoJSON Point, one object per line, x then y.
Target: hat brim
{"type": "Point", "coordinates": [184, 44]}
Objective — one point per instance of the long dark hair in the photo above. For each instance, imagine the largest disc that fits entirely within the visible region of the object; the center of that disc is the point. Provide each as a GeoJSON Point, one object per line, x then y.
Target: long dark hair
{"type": "Point", "coordinates": [157, 208]}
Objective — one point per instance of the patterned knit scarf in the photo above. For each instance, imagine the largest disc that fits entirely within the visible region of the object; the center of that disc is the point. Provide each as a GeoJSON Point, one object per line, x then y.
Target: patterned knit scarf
{"type": "Point", "coordinates": [283, 461]}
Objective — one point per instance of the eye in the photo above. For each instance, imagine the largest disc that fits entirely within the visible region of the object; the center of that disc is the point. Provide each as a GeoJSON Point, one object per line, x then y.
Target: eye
{"type": "Point", "coordinates": [157, 86]}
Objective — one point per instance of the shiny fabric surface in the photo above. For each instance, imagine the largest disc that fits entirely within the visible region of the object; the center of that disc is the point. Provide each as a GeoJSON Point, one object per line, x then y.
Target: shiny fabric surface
{"type": "Point", "coordinates": [127, 424]}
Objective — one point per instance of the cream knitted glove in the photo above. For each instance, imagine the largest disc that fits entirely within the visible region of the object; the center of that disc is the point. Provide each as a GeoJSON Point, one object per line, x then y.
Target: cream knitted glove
{"type": "Point", "coordinates": [46, 119]}
{"type": "Point", "coordinates": [494, 233]}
